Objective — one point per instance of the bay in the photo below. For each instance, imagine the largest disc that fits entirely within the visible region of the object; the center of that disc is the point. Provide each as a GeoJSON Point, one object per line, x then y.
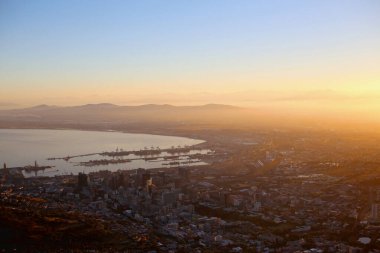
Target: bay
{"type": "Point", "coordinates": [22, 147]}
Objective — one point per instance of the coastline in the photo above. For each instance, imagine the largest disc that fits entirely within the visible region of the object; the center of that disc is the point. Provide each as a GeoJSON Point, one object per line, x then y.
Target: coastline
{"type": "Point", "coordinates": [199, 144]}
{"type": "Point", "coordinates": [110, 131]}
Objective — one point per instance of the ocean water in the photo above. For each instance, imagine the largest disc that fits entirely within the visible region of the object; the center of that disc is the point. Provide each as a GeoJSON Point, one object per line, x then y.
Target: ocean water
{"type": "Point", "coordinates": [22, 147]}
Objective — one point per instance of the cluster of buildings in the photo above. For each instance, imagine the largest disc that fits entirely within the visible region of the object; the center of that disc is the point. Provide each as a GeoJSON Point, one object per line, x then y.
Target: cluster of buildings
{"type": "Point", "coordinates": [287, 208]}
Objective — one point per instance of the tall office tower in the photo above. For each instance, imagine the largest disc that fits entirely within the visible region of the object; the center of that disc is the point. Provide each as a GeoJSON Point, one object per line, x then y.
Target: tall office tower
{"type": "Point", "coordinates": [375, 204]}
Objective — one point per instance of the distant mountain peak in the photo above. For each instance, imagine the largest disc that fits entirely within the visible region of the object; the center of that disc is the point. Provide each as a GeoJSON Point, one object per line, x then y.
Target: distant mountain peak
{"type": "Point", "coordinates": [155, 105]}
{"type": "Point", "coordinates": [41, 106]}
{"type": "Point", "coordinates": [100, 105]}
{"type": "Point", "coordinates": [110, 106]}
{"type": "Point", "coordinates": [220, 106]}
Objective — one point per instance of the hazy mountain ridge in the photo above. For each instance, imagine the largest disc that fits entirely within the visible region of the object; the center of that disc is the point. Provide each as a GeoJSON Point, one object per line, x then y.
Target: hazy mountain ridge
{"type": "Point", "coordinates": [121, 114]}
{"type": "Point", "coordinates": [152, 117]}
{"type": "Point", "coordinates": [109, 106]}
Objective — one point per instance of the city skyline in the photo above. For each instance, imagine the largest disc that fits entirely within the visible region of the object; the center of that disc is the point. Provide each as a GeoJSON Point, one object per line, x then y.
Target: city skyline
{"type": "Point", "coordinates": [190, 126]}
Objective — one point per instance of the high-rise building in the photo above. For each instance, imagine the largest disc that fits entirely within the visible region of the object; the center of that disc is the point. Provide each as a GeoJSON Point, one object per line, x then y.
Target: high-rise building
{"type": "Point", "coordinates": [145, 179]}
{"type": "Point", "coordinates": [184, 173]}
{"type": "Point", "coordinates": [82, 180]}
{"type": "Point", "coordinates": [375, 204]}
{"type": "Point", "coordinates": [375, 208]}
{"type": "Point", "coordinates": [5, 174]}
{"type": "Point", "coordinates": [169, 198]}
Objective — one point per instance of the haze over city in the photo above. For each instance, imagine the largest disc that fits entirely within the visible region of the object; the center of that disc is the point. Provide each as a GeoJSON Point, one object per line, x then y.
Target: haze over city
{"type": "Point", "coordinates": [190, 126]}
{"type": "Point", "coordinates": [319, 56]}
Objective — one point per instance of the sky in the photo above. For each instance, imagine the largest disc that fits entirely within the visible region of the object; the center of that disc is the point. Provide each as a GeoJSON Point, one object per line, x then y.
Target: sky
{"type": "Point", "coordinates": [322, 55]}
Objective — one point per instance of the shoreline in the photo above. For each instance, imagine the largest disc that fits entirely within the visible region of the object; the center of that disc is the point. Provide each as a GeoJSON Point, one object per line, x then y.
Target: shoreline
{"type": "Point", "coordinates": [110, 131]}
{"type": "Point", "coordinates": [201, 143]}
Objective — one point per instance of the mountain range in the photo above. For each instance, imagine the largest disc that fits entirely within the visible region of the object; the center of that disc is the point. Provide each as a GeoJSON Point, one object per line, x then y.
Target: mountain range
{"type": "Point", "coordinates": [107, 115]}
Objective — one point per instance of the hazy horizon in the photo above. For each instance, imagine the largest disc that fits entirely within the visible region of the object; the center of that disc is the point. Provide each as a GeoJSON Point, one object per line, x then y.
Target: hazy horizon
{"type": "Point", "coordinates": [190, 126]}
{"type": "Point", "coordinates": [295, 57]}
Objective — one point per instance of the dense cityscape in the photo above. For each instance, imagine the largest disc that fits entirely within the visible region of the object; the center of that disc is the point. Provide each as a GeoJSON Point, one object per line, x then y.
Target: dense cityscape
{"type": "Point", "coordinates": [261, 192]}
{"type": "Point", "coordinates": [200, 126]}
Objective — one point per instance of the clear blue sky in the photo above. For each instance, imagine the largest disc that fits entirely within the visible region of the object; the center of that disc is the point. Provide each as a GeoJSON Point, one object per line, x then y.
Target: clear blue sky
{"type": "Point", "coordinates": [52, 49]}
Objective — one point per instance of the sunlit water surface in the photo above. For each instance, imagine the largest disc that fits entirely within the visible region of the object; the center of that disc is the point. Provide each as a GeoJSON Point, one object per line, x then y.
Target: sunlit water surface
{"type": "Point", "coordinates": [21, 147]}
